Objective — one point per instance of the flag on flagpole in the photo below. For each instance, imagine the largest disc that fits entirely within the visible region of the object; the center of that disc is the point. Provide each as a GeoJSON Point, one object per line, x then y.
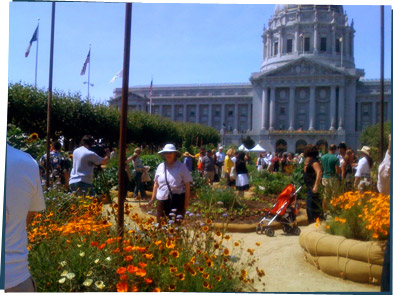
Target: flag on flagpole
{"type": "Point", "coordinates": [118, 75]}
{"type": "Point", "coordinates": [33, 38]}
{"type": "Point", "coordinates": [85, 64]}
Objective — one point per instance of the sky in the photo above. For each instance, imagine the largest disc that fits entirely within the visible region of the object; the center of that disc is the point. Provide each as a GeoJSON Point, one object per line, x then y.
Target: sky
{"type": "Point", "coordinates": [171, 43]}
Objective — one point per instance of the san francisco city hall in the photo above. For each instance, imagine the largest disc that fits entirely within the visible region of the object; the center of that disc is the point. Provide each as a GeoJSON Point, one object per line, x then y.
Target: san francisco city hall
{"type": "Point", "coordinates": [308, 89]}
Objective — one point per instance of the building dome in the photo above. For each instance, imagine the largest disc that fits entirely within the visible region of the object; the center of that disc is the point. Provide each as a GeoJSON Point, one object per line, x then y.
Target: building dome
{"type": "Point", "coordinates": [321, 32]}
{"type": "Point", "coordinates": [295, 7]}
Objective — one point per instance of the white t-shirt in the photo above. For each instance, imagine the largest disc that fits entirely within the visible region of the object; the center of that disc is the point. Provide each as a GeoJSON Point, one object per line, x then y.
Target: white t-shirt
{"type": "Point", "coordinates": [220, 157]}
{"type": "Point", "coordinates": [178, 175]}
{"type": "Point", "coordinates": [363, 168]}
{"type": "Point", "coordinates": [23, 194]}
{"type": "Point", "coordinates": [384, 175]}
{"type": "Point", "coordinates": [83, 164]}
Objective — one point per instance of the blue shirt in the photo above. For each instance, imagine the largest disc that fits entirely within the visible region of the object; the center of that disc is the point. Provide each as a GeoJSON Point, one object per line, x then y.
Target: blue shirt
{"type": "Point", "coordinates": [188, 163]}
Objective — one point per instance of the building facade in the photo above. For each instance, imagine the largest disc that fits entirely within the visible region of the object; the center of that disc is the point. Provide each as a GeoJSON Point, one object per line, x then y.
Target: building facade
{"type": "Point", "coordinates": [308, 89]}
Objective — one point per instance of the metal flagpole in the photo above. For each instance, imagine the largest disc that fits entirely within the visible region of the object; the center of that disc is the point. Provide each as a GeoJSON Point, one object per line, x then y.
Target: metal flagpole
{"type": "Point", "coordinates": [381, 95]}
{"type": "Point", "coordinates": [123, 119]}
{"type": "Point", "coordinates": [48, 118]}
{"type": "Point", "coordinates": [88, 75]}
{"type": "Point", "coordinates": [36, 54]}
{"type": "Point", "coordinates": [151, 95]}
{"type": "Point", "coordinates": [342, 50]}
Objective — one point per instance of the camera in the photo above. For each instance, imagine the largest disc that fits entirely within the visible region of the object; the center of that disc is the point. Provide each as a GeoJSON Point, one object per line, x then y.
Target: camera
{"type": "Point", "coordinates": [99, 149]}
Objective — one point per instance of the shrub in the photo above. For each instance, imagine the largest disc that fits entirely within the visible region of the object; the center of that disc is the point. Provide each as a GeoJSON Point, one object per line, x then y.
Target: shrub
{"type": "Point", "coordinates": [361, 216]}
{"type": "Point", "coordinates": [150, 257]}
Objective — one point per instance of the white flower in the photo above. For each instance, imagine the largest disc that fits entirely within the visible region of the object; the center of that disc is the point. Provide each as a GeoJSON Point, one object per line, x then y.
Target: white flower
{"type": "Point", "coordinates": [87, 282]}
{"type": "Point", "coordinates": [63, 263]}
{"type": "Point", "coordinates": [64, 273]}
{"type": "Point", "coordinates": [100, 284]}
{"type": "Point", "coordinates": [108, 258]}
{"type": "Point", "coordinates": [79, 245]}
{"type": "Point", "coordinates": [89, 273]}
{"type": "Point", "coordinates": [62, 280]}
{"type": "Point", "coordinates": [70, 275]}
{"type": "Point", "coordinates": [97, 260]}
{"type": "Point", "coordinates": [82, 254]}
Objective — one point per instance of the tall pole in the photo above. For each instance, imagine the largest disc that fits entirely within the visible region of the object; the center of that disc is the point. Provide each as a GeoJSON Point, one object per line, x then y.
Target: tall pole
{"type": "Point", "coordinates": [123, 119]}
{"type": "Point", "coordinates": [48, 116]}
{"type": "Point", "coordinates": [88, 75]}
{"type": "Point", "coordinates": [381, 95]}
{"type": "Point", "coordinates": [342, 50]}
{"type": "Point", "coordinates": [36, 53]}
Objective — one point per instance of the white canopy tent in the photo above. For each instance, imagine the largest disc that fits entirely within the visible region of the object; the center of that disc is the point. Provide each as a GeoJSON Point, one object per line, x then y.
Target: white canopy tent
{"type": "Point", "coordinates": [243, 148]}
{"type": "Point", "coordinates": [258, 148]}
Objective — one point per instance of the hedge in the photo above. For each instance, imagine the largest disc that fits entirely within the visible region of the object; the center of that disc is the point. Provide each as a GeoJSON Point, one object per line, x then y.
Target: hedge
{"type": "Point", "coordinates": [74, 117]}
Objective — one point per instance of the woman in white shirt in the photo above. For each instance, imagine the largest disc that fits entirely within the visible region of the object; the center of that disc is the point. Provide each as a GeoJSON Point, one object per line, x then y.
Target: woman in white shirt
{"type": "Point", "coordinates": [171, 185]}
{"type": "Point", "coordinates": [363, 170]}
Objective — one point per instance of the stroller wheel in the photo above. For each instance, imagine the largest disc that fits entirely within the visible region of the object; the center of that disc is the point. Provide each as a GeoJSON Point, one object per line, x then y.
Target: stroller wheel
{"type": "Point", "coordinates": [286, 228]}
{"type": "Point", "coordinates": [259, 229]}
{"type": "Point", "coordinates": [296, 231]}
{"type": "Point", "coordinates": [269, 232]}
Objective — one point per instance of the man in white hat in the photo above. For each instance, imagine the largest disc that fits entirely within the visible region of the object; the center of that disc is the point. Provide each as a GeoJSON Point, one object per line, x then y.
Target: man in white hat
{"type": "Point", "coordinates": [220, 160]}
{"type": "Point", "coordinates": [363, 170]}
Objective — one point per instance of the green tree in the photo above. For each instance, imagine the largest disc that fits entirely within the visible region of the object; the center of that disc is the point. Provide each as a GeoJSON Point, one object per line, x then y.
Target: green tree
{"type": "Point", "coordinates": [370, 137]}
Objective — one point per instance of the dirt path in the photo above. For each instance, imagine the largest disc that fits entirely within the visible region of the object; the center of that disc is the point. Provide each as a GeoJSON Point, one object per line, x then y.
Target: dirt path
{"type": "Point", "coordinates": [281, 257]}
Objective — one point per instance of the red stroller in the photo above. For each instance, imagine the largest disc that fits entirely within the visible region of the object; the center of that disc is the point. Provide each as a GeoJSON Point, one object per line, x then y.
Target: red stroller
{"type": "Point", "coordinates": [284, 211]}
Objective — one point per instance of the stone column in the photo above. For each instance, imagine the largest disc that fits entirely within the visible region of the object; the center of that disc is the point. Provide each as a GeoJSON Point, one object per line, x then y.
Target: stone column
{"type": "Point", "coordinates": [315, 38]}
{"type": "Point", "coordinates": [291, 108]}
{"type": "Point", "coordinates": [184, 113]}
{"type": "Point", "coordinates": [280, 43]}
{"type": "Point", "coordinates": [209, 115]}
{"type": "Point", "coordinates": [264, 109]}
{"type": "Point", "coordinates": [197, 113]}
{"type": "Point", "coordinates": [296, 47]}
{"type": "Point", "coordinates": [346, 43]}
{"type": "Point", "coordinates": [334, 40]}
{"type": "Point", "coordinates": [341, 108]}
{"type": "Point", "coordinates": [312, 108]}
{"type": "Point", "coordinates": [173, 116]}
{"type": "Point", "coordinates": [236, 117]}
{"type": "Point", "coordinates": [223, 115]}
{"type": "Point", "coordinates": [272, 108]}
{"type": "Point", "coordinates": [249, 117]}
{"type": "Point", "coordinates": [160, 110]}
{"type": "Point", "coordinates": [269, 45]}
{"type": "Point", "coordinates": [332, 108]}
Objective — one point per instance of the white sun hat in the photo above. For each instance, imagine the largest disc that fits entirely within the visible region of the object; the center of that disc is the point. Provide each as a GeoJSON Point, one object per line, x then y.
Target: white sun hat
{"type": "Point", "coordinates": [169, 148]}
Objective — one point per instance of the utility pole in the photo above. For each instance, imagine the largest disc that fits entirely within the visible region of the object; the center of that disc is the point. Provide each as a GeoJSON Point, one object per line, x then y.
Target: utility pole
{"type": "Point", "coordinates": [381, 95]}
{"type": "Point", "coordinates": [123, 119]}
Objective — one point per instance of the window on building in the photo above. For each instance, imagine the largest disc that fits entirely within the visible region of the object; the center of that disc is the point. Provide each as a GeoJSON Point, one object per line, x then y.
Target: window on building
{"type": "Point", "coordinates": [217, 113]}
{"type": "Point", "coordinates": [306, 44]}
{"type": "Point", "coordinates": [282, 111]}
{"type": "Point", "coordinates": [192, 113]}
{"type": "Point", "coordinates": [275, 52]}
{"type": "Point", "coordinates": [338, 45]}
{"type": "Point", "coordinates": [230, 113]}
{"type": "Point", "coordinates": [323, 44]}
{"type": "Point", "coordinates": [289, 45]}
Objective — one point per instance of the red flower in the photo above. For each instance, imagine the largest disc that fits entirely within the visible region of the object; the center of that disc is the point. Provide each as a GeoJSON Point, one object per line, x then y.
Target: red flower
{"type": "Point", "coordinates": [94, 244]}
{"type": "Point", "coordinates": [121, 270]}
{"type": "Point", "coordinates": [102, 246]}
{"type": "Point", "coordinates": [122, 287]}
{"type": "Point", "coordinates": [132, 269]}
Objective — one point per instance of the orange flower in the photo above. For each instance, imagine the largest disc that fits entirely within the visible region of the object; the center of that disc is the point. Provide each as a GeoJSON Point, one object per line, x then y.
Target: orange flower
{"type": "Point", "coordinates": [148, 256]}
{"type": "Point", "coordinates": [181, 276]}
{"type": "Point", "coordinates": [122, 287]}
{"type": "Point", "coordinates": [205, 275]}
{"type": "Point", "coordinates": [142, 264]}
{"type": "Point", "coordinates": [157, 243]}
{"type": "Point", "coordinates": [226, 252]}
{"type": "Point", "coordinates": [94, 244]}
{"type": "Point", "coordinates": [148, 281]}
{"type": "Point", "coordinates": [141, 272]}
{"type": "Point", "coordinates": [128, 258]}
{"type": "Point", "coordinates": [173, 269]}
{"type": "Point", "coordinates": [102, 246]}
{"type": "Point", "coordinates": [209, 221]}
{"type": "Point", "coordinates": [174, 253]}
{"type": "Point", "coordinates": [206, 285]}
{"type": "Point", "coordinates": [123, 277]}
{"type": "Point", "coordinates": [237, 244]}
{"type": "Point", "coordinates": [132, 269]}
{"type": "Point", "coordinates": [128, 249]}
{"type": "Point", "coordinates": [134, 289]}
{"type": "Point", "coordinates": [121, 270]}
{"type": "Point", "coordinates": [260, 272]}
{"type": "Point", "coordinates": [172, 287]}
{"type": "Point", "coordinates": [117, 250]}
{"type": "Point", "coordinates": [205, 228]}
{"type": "Point", "coordinates": [157, 290]}
{"type": "Point", "coordinates": [164, 260]}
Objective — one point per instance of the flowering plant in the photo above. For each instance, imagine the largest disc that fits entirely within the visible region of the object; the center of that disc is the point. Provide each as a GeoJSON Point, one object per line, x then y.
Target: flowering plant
{"type": "Point", "coordinates": [74, 247]}
{"type": "Point", "coordinates": [362, 216]}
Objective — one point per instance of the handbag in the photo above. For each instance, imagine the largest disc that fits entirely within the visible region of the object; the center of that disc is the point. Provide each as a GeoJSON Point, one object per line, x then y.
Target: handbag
{"type": "Point", "coordinates": [233, 173]}
{"type": "Point", "coordinates": [145, 177]}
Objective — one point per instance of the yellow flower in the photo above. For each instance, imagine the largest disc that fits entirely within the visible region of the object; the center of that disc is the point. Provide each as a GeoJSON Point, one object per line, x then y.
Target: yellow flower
{"type": "Point", "coordinates": [258, 244]}
{"type": "Point", "coordinates": [87, 282]}
{"type": "Point", "coordinates": [205, 228]}
{"type": "Point", "coordinates": [244, 273]}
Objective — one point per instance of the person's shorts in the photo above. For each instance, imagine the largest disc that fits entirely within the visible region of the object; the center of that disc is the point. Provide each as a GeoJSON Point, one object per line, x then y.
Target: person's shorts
{"type": "Point", "coordinates": [209, 175]}
{"type": "Point", "coordinates": [82, 189]}
{"type": "Point", "coordinates": [26, 286]}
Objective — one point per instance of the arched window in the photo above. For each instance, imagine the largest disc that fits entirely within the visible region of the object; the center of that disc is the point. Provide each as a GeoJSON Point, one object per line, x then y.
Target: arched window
{"type": "Point", "coordinates": [281, 146]}
{"type": "Point", "coordinates": [300, 145]}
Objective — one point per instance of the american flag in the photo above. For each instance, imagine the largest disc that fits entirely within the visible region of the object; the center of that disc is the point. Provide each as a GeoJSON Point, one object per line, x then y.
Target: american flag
{"type": "Point", "coordinates": [85, 64]}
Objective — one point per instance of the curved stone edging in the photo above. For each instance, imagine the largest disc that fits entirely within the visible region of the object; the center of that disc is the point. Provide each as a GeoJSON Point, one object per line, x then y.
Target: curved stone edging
{"type": "Point", "coordinates": [358, 261]}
